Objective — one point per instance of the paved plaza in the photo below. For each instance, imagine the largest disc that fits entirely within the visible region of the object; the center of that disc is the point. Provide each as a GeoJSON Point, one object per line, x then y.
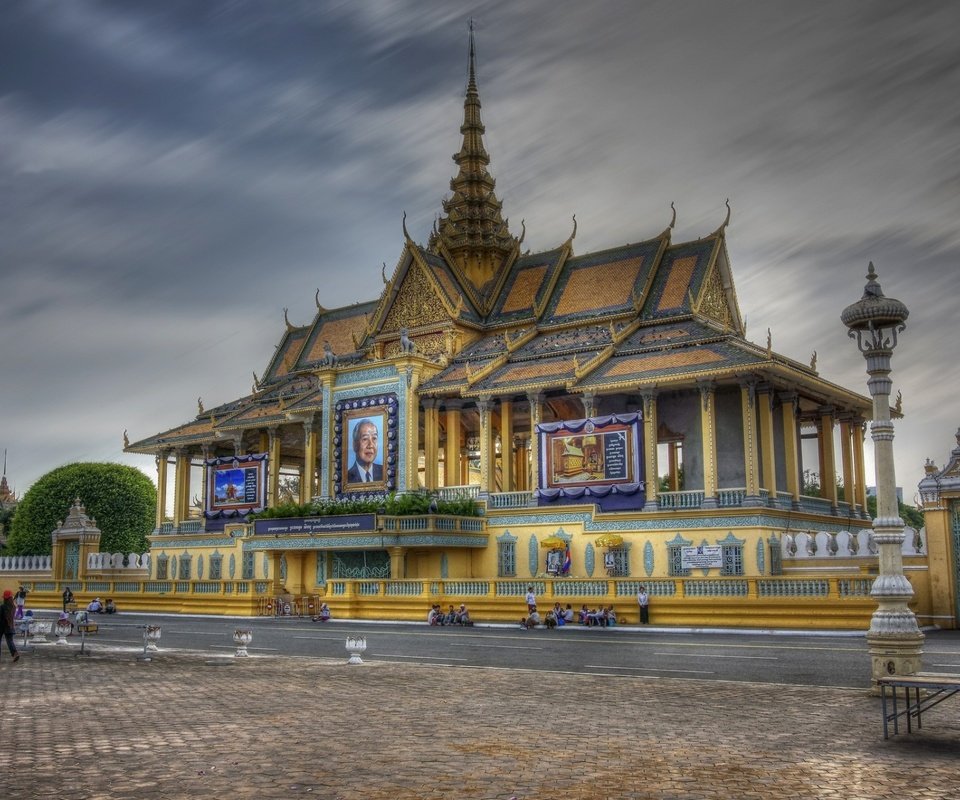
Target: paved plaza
{"type": "Point", "coordinates": [186, 726]}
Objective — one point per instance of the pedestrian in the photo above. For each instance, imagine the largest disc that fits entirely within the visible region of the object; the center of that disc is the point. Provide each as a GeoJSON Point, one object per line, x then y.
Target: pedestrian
{"type": "Point", "coordinates": [643, 600]}
{"type": "Point", "coordinates": [7, 625]}
{"type": "Point", "coordinates": [20, 601]}
{"type": "Point", "coordinates": [531, 599]}
{"type": "Point", "coordinates": [67, 598]}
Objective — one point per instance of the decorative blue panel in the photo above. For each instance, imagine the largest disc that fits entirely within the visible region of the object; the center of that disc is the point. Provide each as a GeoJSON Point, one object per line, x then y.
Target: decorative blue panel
{"type": "Point", "coordinates": [533, 553]}
{"type": "Point", "coordinates": [648, 558]}
{"type": "Point", "coordinates": [173, 566]}
{"type": "Point", "coordinates": [233, 565]}
{"type": "Point", "coordinates": [321, 569]}
{"type": "Point", "coordinates": [589, 559]}
{"type": "Point", "coordinates": [199, 568]}
{"type": "Point", "coordinates": [73, 561]}
{"type": "Point", "coordinates": [761, 565]}
{"type": "Point", "coordinates": [444, 567]}
{"type": "Point", "coordinates": [283, 568]}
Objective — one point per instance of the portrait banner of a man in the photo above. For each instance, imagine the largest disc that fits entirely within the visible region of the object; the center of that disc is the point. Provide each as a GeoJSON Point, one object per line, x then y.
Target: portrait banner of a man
{"type": "Point", "coordinates": [362, 458]}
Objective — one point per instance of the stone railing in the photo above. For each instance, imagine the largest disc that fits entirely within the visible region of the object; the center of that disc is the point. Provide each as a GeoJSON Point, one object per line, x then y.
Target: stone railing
{"type": "Point", "coordinates": [433, 523]}
{"type": "Point", "coordinates": [845, 544]}
{"type": "Point", "coordinates": [670, 501]}
{"type": "Point", "coordinates": [459, 492]}
{"type": "Point", "coordinates": [26, 563]}
{"type": "Point", "coordinates": [510, 499]}
{"type": "Point", "coordinates": [114, 561]}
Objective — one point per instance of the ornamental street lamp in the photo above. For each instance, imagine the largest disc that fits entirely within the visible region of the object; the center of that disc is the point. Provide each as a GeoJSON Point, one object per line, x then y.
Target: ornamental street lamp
{"type": "Point", "coordinates": [894, 639]}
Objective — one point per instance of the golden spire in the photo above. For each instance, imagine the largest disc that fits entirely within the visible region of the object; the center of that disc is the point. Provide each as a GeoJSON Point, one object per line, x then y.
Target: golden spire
{"type": "Point", "coordinates": [472, 228]}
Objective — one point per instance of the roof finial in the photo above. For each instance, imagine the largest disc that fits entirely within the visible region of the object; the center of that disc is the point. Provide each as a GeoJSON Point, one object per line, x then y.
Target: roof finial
{"type": "Point", "coordinates": [406, 235]}
{"type": "Point", "coordinates": [727, 220]}
{"type": "Point", "coordinates": [472, 75]}
{"type": "Point", "coordinates": [523, 232]}
{"type": "Point", "coordinates": [316, 299]}
{"type": "Point", "coordinates": [286, 319]}
{"type": "Point", "coordinates": [574, 234]}
{"type": "Point", "coordinates": [673, 220]}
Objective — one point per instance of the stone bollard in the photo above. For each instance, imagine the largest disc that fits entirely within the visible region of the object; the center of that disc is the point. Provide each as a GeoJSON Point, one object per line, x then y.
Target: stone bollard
{"type": "Point", "coordinates": [151, 638]}
{"type": "Point", "coordinates": [63, 629]}
{"type": "Point", "coordinates": [242, 638]}
{"type": "Point", "coordinates": [39, 631]}
{"type": "Point", "coordinates": [355, 646]}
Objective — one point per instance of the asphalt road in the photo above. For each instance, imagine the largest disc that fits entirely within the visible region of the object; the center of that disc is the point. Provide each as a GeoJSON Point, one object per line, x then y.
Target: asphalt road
{"type": "Point", "coordinates": [795, 659]}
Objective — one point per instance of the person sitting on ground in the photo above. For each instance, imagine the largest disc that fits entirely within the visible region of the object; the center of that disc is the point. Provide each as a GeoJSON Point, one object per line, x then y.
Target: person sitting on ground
{"type": "Point", "coordinates": [67, 597]}
{"type": "Point", "coordinates": [435, 617]}
{"type": "Point", "coordinates": [450, 618]}
{"type": "Point", "coordinates": [95, 607]}
{"type": "Point", "coordinates": [323, 615]}
{"type": "Point", "coordinates": [110, 607]}
{"type": "Point", "coordinates": [531, 621]}
{"type": "Point", "coordinates": [551, 619]}
{"type": "Point", "coordinates": [558, 614]}
{"type": "Point", "coordinates": [584, 615]}
{"type": "Point", "coordinates": [463, 616]}
{"type": "Point", "coordinates": [611, 617]}
{"type": "Point", "coordinates": [568, 614]}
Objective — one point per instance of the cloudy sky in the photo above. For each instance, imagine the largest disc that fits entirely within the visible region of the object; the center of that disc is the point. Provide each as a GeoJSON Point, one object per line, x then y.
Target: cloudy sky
{"type": "Point", "coordinates": [174, 174]}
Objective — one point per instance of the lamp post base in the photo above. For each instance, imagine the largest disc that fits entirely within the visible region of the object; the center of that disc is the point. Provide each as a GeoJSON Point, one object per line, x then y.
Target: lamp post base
{"type": "Point", "coordinates": [893, 654]}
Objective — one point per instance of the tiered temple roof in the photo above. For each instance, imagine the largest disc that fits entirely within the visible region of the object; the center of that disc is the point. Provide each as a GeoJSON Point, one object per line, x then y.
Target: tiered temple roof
{"type": "Point", "coordinates": [492, 322]}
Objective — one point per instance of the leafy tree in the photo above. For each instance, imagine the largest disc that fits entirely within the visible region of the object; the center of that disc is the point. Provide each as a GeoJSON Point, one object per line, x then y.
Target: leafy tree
{"type": "Point", "coordinates": [121, 499]}
{"type": "Point", "coordinates": [910, 515]}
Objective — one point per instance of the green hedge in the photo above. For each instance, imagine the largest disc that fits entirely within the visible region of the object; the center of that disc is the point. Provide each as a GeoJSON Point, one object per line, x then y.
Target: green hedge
{"type": "Point", "coordinates": [393, 505]}
{"type": "Point", "coordinates": [121, 499]}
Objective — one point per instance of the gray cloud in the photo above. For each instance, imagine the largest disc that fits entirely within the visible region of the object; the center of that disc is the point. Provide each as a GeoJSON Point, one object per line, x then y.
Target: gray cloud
{"type": "Point", "coordinates": [172, 172]}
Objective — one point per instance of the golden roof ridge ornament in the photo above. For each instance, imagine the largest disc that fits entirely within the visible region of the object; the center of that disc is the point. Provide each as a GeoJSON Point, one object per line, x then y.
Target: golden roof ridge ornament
{"type": "Point", "coordinates": [199, 406]}
{"type": "Point", "coordinates": [286, 319]}
{"type": "Point", "coordinates": [673, 219]}
{"type": "Point", "coordinates": [471, 228]}
{"type": "Point", "coordinates": [316, 299]}
{"type": "Point", "coordinates": [126, 440]}
{"type": "Point", "coordinates": [719, 231]}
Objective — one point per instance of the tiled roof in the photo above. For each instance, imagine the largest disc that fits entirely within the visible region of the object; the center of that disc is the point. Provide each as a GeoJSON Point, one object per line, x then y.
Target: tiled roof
{"type": "Point", "coordinates": [283, 360]}
{"type": "Point", "coordinates": [449, 284]}
{"type": "Point", "coordinates": [587, 337]}
{"type": "Point", "coordinates": [516, 376]}
{"type": "Point", "coordinates": [671, 361]}
{"type": "Point", "coordinates": [525, 287]}
{"type": "Point", "coordinates": [336, 327]}
{"type": "Point", "coordinates": [601, 284]}
{"type": "Point", "coordinates": [681, 273]}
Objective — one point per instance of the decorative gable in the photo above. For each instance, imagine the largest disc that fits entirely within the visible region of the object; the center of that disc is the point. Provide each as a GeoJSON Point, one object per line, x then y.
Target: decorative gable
{"type": "Point", "coordinates": [416, 303]}
{"type": "Point", "coordinates": [713, 301]}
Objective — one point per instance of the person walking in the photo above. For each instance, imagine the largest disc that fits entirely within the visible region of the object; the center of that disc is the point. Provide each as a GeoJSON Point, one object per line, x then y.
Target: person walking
{"type": "Point", "coordinates": [643, 600]}
{"type": "Point", "coordinates": [7, 625]}
{"type": "Point", "coordinates": [20, 601]}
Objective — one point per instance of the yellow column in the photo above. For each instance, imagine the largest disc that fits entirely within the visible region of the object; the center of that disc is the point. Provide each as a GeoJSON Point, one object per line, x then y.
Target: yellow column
{"type": "Point", "coordinates": [846, 462]}
{"type": "Point", "coordinates": [451, 464]}
{"type": "Point", "coordinates": [307, 479]}
{"type": "Point", "coordinates": [264, 443]}
{"type": "Point", "coordinates": [161, 487]}
{"type": "Point", "coordinates": [768, 457]}
{"type": "Point", "coordinates": [273, 490]}
{"type": "Point", "coordinates": [861, 477]}
{"type": "Point", "coordinates": [536, 410]}
{"type": "Point", "coordinates": [790, 449]}
{"type": "Point", "coordinates": [181, 488]}
{"type": "Point", "coordinates": [409, 477]}
{"type": "Point", "coordinates": [748, 407]}
{"type": "Point", "coordinates": [506, 445]}
{"type": "Point", "coordinates": [708, 435]}
{"type": "Point", "coordinates": [520, 464]}
{"type": "Point", "coordinates": [828, 466]}
{"type": "Point", "coordinates": [651, 475]}
{"type": "Point", "coordinates": [488, 457]}
{"type": "Point", "coordinates": [397, 563]}
{"type": "Point", "coordinates": [431, 443]}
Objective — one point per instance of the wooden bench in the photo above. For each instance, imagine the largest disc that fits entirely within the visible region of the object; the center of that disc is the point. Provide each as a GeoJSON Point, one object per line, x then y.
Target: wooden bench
{"type": "Point", "coordinates": [921, 692]}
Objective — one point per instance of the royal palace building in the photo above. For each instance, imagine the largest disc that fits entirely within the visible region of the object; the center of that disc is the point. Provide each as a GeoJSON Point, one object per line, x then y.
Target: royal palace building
{"type": "Point", "coordinates": [604, 410]}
